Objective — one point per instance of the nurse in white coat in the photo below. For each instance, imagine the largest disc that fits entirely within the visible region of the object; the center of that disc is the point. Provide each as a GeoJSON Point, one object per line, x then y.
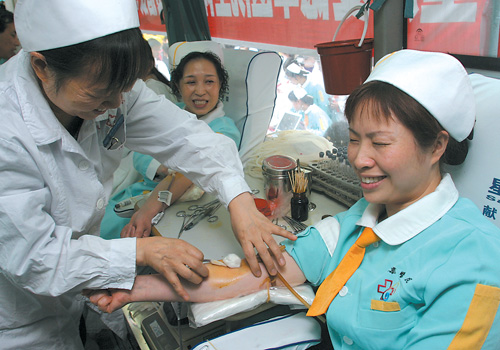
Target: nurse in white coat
{"type": "Point", "coordinates": [62, 100]}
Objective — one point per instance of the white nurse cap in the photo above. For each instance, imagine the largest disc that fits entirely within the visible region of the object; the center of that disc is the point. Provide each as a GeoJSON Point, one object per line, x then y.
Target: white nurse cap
{"type": "Point", "coordinates": [178, 50]}
{"type": "Point", "coordinates": [296, 69]}
{"type": "Point", "coordinates": [51, 24]}
{"type": "Point", "coordinates": [437, 81]}
{"type": "Point", "coordinates": [299, 92]}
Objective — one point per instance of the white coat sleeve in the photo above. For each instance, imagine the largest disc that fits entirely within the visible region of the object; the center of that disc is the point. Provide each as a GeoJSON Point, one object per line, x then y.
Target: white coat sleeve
{"type": "Point", "coordinates": [39, 255]}
{"type": "Point", "coordinates": [157, 127]}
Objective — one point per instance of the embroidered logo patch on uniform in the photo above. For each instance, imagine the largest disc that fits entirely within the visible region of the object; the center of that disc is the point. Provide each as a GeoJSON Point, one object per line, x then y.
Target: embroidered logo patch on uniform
{"type": "Point", "coordinates": [389, 287]}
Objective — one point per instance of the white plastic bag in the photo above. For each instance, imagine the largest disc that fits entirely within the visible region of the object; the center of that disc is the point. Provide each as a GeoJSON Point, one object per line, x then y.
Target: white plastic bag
{"type": "Point", "coordinates": [201, 314]}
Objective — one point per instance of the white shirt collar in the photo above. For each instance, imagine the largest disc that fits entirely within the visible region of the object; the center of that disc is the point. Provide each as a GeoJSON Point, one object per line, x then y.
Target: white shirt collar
{"type": "Point", "coordinates": [217, 112]}
{"type": "Point", "coordinates": [412, 220]}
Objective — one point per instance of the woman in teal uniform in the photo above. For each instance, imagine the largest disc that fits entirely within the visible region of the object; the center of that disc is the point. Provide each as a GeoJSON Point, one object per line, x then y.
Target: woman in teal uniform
{"type": "Point", "coordinates": [301, 77]}
{"type": "Point", "coordinates": [432, 281]}
{"type": "Point", "coordinates": [201, 82]}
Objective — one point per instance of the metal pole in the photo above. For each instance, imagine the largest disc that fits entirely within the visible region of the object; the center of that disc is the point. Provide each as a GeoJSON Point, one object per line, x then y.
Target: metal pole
{"type": "Point", "coordinates": [492, 49]}
{"type": "Point", "coordinates": [388, 28]}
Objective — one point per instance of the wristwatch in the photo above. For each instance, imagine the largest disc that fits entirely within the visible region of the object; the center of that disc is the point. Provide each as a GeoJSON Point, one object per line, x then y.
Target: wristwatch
{"type": "Point", "coordinates": [165, 197]}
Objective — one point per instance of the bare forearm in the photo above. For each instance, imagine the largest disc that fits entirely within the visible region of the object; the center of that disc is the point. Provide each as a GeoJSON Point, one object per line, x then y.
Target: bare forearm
{"type": "Point", "coordinates": [181, 183]}
{"type": "Point", "coordinates": [222, 283]}
{"type": "Point", "coordinates": [178, 187]}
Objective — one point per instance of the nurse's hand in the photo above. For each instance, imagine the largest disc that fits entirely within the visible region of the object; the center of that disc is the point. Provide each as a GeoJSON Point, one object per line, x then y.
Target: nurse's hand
{"type": "Point", "coordinates": [108, 300]}
{"type": "Point", "coordinates": [139, 225]}
{"type": "Point", "coordinates": [254, 230]}
{"type": "Point", "coordinates": [172, 258]}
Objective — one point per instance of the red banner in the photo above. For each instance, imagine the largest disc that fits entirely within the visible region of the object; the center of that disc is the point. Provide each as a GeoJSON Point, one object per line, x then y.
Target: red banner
{"type": "Point", "coordinates": [149, 16]}
{"type": "Point", "coordinates": [290, 23]}
{"type": "Point", "coordinates": [462, 27]}
{"type": "Point", "coordinates": [293, 23]}
{"type": "Point", "coordinates": [456, 26]}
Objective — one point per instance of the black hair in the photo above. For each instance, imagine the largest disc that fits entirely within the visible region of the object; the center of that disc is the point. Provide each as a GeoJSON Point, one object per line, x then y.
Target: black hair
{"type": "Point", "coordinates": [118, 59]}
{"type": "Point", "coordinates": [159, 76]}
{"type": "Point", "coordinates": [292, 97]}
{"type": "Point", "coordinates": [178, 72]}
{"type": "Point", "coordinates": [308, 100]}
{"type": "Point", "coordinates": [384, 100]}
{"type": "Point", "coordinates": [6, 17]}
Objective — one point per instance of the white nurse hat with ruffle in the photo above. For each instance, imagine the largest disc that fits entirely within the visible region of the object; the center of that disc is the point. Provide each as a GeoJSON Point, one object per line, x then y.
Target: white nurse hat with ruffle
{"type": "Point", "coordinates": [296, 69]}
{"type": "Point", "coordinates": [299, 92]}
{"type": "Point", "coordinates": [437, 81]}
{"type": "Point", "coordinates": [51, 24]}
{"type": "Point", "coordinates": [177, 51]}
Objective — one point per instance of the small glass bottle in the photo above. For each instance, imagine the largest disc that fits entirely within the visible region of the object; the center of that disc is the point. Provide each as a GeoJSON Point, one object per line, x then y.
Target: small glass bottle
{"type": "Point", "coordinates": [299, 206]}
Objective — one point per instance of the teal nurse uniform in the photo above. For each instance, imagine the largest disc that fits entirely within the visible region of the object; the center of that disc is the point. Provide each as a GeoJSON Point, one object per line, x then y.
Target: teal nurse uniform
{"type": "Point", "coordinates": [433, 277]}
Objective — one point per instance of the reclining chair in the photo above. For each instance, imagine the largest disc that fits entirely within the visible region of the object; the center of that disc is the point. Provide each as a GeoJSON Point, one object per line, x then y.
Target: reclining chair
{"type": "Point", "coordinates": [478, 178]}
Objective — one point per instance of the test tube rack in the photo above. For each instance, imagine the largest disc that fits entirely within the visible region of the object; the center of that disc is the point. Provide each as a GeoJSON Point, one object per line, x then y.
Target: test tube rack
{"type": "Point", "coordinates": [333, 176]}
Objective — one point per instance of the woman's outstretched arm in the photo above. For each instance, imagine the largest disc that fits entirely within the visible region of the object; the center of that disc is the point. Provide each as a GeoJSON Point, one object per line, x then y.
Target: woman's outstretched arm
{"type": "Point", "coordinates": [221, 283]}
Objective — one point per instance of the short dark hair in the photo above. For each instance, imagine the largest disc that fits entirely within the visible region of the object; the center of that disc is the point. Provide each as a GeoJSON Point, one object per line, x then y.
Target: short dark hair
{"type": "Point", "coordinates": [178, 72]}
{"type": "Point", "coordinates": [308, 100]}
{"type": "Point", "coordinates": [384, 100]}
{"type": "Point", "coordinates": [118, 59]}
{"type": "Point", "coordinates": [6, 17]}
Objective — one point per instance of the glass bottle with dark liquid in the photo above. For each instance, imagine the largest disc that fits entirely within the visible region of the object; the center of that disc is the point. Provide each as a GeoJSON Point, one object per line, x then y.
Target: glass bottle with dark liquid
{"type": "Point", "coordinates": [299, 206]}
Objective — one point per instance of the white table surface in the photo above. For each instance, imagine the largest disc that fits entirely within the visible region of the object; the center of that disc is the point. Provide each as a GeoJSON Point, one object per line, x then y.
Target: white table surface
{"type": "Point", "coordinates": [216, 240]}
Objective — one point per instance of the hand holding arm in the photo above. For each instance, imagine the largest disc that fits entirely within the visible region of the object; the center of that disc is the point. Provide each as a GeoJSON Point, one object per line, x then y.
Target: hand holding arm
{"type": "Point", "coordinates": [253, 229]}
{"type": "Point", "coordinates": [172, 258]}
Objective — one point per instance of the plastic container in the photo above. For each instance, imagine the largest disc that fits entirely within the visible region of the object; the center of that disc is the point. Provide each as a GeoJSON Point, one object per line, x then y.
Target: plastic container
{"type": "Point", "coordinates": [345, 64]}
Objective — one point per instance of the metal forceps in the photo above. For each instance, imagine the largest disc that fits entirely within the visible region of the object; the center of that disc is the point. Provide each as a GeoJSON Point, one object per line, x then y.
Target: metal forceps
{"type": "Point", "coordinates": [208, 212]}
{"type": "Point", "coordinates": [199, 213]}
{"type": "Point", "coordinates": [183, 214]}
{"type": "Point", "coordinates": [204, 206]}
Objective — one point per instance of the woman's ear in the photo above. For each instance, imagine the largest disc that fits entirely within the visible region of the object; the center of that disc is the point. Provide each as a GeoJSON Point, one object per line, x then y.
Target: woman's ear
{"type": "Point", "coordinates": [440, 145]}
{"type": "Point", "coordinates": [40, 66]}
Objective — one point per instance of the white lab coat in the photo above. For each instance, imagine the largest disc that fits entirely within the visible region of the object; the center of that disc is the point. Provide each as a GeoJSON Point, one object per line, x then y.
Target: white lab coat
{"type": "Point", "coordinates": [53, 192]}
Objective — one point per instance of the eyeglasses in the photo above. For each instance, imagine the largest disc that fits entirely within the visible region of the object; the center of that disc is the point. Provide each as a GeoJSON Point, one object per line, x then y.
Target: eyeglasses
{"type": "Point", "coordinates": [111, 142]}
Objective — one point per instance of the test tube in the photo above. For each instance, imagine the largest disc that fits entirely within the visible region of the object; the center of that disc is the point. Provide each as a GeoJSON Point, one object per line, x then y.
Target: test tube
{"type": "Point", "coordinates": [334, 163]}
{"type": "Point", "coordinates": [328, 161]}
{"type": "Point", "coordinates": [321, 163]}
{"type": "Point", "coordinates": [342, 167]}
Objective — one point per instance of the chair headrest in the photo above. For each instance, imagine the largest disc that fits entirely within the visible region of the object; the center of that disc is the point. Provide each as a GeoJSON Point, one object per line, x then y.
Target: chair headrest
{"type": "Point", "coordinates": [180, 49]}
